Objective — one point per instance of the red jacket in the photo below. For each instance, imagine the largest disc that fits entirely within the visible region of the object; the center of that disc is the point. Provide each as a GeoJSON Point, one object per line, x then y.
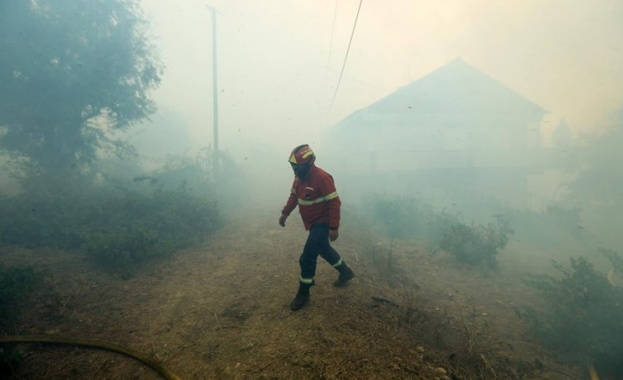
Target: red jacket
{"type": "Point", "coordinates": [317, 199]}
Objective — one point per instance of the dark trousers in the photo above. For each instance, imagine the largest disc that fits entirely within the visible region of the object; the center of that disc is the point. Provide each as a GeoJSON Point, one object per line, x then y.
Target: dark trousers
{"type": "Point", "coordinates": [317, 244]}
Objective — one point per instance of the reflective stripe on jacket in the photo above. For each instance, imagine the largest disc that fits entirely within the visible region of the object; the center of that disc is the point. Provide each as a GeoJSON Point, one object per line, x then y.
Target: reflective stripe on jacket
{"type": "Point", "coordinates": [317, 199]}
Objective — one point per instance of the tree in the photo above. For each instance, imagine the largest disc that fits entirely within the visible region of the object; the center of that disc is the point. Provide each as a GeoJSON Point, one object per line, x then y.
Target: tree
{"type": "Point", "coordinates": [71, 72]}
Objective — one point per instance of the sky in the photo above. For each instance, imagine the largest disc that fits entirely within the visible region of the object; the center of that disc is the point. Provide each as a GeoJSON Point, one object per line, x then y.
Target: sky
{"type": "Point", "coordinates": [279, 61]}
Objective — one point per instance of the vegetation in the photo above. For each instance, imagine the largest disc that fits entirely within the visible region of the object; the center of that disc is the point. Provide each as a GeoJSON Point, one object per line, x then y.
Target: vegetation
{"type": "Point", "coordinates": [78, 72]}
{"type": "Point", "coordinates": [615, 260]}
{"type": "Point", "coordinates": [599, 178]}
{"type": "Point", "coordinates": [120, 227]}
{"type": "Point", "coordinates": [476, 244]}
{"type": "Point", "coordinates": [584, 320]}
{"type": "Point", "coordinates": [10, 359]}
{"type": "Point", "coordinates": [75, 71]}
{"type": "Point", "coordinates": [403, 217]}
{"type": "Point", "coordinates": [16, 284]}
{"type": "Point", "coordinates": [400, 217]}
{"type": "Point", "coordinates": [555, 224]}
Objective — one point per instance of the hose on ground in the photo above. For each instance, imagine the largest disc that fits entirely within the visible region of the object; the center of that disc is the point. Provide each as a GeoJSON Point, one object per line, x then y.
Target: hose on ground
{"type": "Point", "coordinates": [161, 369]}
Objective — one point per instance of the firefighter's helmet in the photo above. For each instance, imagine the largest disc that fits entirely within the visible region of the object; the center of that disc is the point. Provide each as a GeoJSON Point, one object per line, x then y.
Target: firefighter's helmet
{"type": "Point", "coordinates": [302, 155]}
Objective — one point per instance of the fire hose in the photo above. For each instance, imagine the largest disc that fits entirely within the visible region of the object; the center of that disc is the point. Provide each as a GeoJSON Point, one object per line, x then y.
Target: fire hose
{"type": "Point", "coordinates": [161, 369]}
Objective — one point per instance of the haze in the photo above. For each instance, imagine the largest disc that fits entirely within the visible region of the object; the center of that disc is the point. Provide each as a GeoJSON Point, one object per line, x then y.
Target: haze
{"type": "Point", "coordinates": [279, 61]}
{"type": "Point", "coordinates": [473, 146]}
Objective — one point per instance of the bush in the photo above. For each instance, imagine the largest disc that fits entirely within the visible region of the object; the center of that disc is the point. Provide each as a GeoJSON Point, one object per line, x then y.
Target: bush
{"type": "Point", "coordinates": [118, 226]}
{"type": "Point", "coordinates": [554, 225]}
{"type": "Point", "coordinates": [10, 359]}
{"type": "Point", "coordinates": [402, 217]}
{"type": "Point", "coordinates": [476, 244]}
{"type": "Point", "coordinates": [16, 285]}
{"type": "Point", "coordinates": [142, 228]}
{"type": "Point", "coordinates": [585, 318]}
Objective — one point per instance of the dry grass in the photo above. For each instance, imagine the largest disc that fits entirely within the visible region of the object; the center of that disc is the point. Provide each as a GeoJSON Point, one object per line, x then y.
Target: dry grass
{"type": "Point", "coordinates": [221, 312]}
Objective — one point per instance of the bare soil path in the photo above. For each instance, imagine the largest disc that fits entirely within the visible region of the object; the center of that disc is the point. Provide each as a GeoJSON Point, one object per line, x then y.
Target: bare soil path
{"type": "Point", "coordinates": [221, 311]}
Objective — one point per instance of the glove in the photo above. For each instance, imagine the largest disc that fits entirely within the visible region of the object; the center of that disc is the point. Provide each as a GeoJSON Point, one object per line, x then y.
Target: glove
{"type": "Point", "coordinates": [333, 235]}
{"type": "Point", "coordinates": [282, 220]}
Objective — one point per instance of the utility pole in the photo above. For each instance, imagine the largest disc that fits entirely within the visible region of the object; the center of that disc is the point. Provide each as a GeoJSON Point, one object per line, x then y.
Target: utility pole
{"type": "Point", "coordinates": [215, 159]}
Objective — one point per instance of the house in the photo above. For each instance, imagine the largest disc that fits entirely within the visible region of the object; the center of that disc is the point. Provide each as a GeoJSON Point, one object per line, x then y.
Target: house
{"type": "Point", "coordinates": [455, 128]}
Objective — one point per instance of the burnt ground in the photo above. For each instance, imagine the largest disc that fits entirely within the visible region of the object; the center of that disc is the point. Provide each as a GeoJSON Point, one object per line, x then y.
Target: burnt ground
{"type": "Point", "coordinates": [220, 311]}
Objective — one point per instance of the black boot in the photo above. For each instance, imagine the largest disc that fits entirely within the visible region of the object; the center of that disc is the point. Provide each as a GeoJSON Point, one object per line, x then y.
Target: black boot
{"type": "Point", "coordinates": [346, 274]}
{"type": "Point", "coordinates": [302, 297]}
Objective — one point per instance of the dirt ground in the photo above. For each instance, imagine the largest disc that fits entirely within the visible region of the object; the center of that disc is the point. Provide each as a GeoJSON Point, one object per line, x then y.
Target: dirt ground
{"type": "Point", "coordinates": [221, 311]}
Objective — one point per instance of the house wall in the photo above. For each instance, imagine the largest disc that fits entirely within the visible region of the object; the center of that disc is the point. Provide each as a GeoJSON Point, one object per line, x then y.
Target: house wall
{"type": "Point", "coordinates": [467, 159]}
{"type": "Point", "coordinates": [476, 194]}
{"type": "Point", "coordinates": [433, 141]}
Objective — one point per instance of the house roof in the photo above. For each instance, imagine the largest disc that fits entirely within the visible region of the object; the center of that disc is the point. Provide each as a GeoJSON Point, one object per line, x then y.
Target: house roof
{"type": "Point", "coordinates": [457, 88]}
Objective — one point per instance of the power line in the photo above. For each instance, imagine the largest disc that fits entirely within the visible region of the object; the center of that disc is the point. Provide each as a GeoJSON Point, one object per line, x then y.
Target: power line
{"type": "Point", "coordinates": [345, 57]}
{"type": "Point", "coordinates": [331, 43]}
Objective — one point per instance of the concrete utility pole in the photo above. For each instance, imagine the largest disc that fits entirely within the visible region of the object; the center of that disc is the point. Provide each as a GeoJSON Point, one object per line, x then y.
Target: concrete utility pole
{"type": "Point", "coordinates": [215, 95]}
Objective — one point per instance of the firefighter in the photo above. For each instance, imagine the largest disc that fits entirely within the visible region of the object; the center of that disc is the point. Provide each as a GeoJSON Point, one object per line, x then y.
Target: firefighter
{"type": "Point", "coordinates": [314, 192]}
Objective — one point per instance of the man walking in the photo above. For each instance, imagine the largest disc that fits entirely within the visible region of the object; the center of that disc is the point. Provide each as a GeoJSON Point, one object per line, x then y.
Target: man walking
{"type": "Point", "coordinates": [314, 192]}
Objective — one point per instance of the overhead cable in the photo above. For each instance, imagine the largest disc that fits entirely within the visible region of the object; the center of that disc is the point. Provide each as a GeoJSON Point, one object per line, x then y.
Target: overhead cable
{"type": "Point", "coordinates": [345, 57]}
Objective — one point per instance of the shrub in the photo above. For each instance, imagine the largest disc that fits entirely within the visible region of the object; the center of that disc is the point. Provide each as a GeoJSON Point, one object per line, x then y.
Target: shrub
{"type": "Point", "coordinates": [584, 320]}
{"type": "Point", "coordinates": [476, 244]}
{"type": "Point", "coordinates": [135, 229]}
{"type": "Point", "coordinates": [554, 225]}
{"type": "Point", "coordinates": [16, 285]}
{"type": "Point", "coordinates": [10, 359]}
{"type": "Point", "coordinates": [118, 226]}
{"type": "Point", "coordinates": [403, 217]}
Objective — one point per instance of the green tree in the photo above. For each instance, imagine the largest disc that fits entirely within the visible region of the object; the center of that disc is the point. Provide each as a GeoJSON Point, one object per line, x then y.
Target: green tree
{"type": "Point", "coordinates": [71, 72]}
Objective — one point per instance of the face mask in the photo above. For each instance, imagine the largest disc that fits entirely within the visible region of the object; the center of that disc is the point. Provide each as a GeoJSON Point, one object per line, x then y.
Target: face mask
{"type": "Point", "coordinates": [301, 170]}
